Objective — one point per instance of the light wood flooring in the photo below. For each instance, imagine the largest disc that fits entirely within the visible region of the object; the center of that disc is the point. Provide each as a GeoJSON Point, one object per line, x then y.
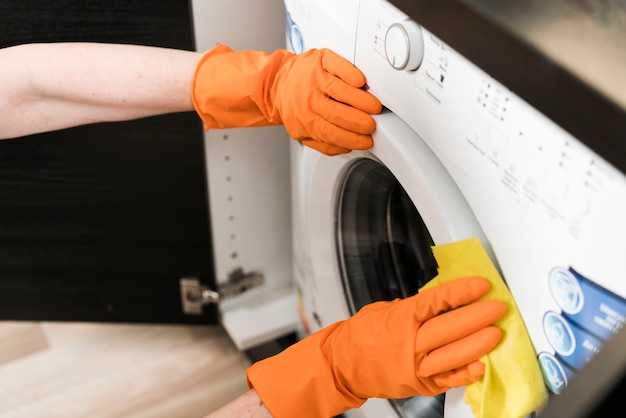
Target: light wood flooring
{"type": "Point", "coordinates": [69, 370]}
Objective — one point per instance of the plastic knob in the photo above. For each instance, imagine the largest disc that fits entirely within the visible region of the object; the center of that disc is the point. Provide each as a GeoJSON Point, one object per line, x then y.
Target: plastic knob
{"type": "Point", "coordinates": [404, 45]}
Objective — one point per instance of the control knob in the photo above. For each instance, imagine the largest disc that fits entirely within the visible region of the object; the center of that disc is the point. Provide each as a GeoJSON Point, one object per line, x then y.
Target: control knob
{"type": "Point", "coordinates": [404, 45]}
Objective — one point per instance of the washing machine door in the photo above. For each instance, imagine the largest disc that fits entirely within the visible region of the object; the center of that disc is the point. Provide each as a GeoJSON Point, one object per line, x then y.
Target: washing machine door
{"type": "Point", "coordinates": [372, 219]}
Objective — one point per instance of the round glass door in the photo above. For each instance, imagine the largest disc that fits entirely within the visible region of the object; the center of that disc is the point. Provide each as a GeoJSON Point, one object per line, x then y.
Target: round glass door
{"type": "Point", "coordinates": [384, 251]}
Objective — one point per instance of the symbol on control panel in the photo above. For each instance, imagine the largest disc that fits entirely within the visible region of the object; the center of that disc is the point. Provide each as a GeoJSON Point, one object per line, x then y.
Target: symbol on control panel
{"type": "Point", "coordinates": [443, 62]}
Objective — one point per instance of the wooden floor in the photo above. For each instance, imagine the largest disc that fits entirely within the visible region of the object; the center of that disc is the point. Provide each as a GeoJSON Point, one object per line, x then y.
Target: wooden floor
{"type": "Point", "coordinates": [82, 370]}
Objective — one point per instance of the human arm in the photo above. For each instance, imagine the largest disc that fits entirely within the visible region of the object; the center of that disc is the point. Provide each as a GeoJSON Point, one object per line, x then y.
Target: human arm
{"type": "Point", "coordinates": [248, 405]}
{"type": "Point", "coordinates": [318, 96]}
{"type": "Point", "coordinates": [422, 345]}
{"type": "Point", "coordinates": [57, 85]}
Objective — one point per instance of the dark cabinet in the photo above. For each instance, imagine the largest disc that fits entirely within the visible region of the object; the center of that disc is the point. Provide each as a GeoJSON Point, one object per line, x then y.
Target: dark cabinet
{"type": "Point", "coordinates": [99, 222]}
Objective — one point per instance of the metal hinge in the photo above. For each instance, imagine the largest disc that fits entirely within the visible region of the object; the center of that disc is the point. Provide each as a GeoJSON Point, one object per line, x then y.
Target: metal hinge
{"type": "Point", "coordinates": [194, 295]}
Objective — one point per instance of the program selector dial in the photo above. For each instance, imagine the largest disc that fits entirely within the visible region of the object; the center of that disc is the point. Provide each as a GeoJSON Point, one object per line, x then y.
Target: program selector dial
{"type": "Point", "coordinates": [404, 45]}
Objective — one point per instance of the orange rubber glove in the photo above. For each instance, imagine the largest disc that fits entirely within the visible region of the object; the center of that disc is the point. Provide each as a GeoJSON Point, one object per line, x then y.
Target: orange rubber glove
{"type": "Point", "coordinates": [318, 96]}
{"type": "Point", "coordinates": [421, 345]}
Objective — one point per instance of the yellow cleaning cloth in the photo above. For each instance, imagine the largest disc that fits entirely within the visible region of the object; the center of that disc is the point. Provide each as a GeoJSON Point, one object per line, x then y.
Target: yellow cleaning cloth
{"type": "Point", "coordinates": [512, 386]}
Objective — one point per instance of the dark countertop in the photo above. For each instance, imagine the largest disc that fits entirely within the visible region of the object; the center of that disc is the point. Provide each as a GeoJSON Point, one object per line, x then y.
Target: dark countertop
{"type": "Point", "coordinates": [567, 58]}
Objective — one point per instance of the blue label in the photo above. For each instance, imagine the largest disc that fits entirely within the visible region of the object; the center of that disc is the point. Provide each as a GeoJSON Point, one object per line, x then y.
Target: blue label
{"type": "Point", "coordinates": [555, 374]}
{"type": "Point", "coordinates": [572, 344]}
{"type": "Point", "coordinates": [589, 316]}
{"type": "Point", "coordinates": [559, 334]}
{"type": "Point", "coordinates": [566, 290]}
{"type": "Point", "coordinates": [587, 305]}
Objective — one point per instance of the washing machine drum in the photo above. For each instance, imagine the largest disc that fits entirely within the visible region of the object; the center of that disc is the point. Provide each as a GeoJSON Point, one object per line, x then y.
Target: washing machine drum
{"type": "Point", "coordinates": [384, 246]}
{"type": "Point", "coordinates": [384, 251]}
{"type": "Point", "coordinates": [383, 209]}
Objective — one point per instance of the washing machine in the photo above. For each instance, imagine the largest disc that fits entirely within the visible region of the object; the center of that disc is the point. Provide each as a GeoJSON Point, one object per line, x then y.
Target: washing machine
{"type": "Point", "coordinates": [456, 155]}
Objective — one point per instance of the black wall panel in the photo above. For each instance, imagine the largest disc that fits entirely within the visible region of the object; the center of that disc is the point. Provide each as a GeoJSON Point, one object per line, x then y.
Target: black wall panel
{"type": "Point", "coordinates": [99, 222]}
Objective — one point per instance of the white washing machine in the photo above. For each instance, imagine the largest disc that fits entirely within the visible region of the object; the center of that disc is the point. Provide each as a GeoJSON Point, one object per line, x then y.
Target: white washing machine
{"type": "Point", "coordinates": [456, 155]}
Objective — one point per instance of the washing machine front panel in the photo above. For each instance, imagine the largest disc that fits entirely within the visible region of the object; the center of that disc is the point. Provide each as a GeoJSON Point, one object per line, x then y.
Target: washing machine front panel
{"type": "Point", "coordinates": [550, 207]}
{"type": "Point", "coordinates": [411, 165]}
{"type": "Point", "coordinates": [406, 176]}
{"type": "Point", "coordinates": [318, 185]}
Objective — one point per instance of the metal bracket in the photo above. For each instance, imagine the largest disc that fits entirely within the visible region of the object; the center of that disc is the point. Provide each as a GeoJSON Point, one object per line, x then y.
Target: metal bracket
{"type": "Point", "coordinates": [194, 295]}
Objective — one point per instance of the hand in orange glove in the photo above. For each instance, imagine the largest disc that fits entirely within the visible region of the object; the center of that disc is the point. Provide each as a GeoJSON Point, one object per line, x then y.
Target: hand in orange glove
{"type": "Point", "coordinates": [422, 345]}
{"type": "Point", "coordinates": [318, 96]}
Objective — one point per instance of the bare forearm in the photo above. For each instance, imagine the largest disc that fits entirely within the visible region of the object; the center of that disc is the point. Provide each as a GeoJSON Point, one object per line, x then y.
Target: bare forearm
{"type": "Point", "coordinates": [52, 86]}
{"type": "Point", "coordinates": [248, 405]}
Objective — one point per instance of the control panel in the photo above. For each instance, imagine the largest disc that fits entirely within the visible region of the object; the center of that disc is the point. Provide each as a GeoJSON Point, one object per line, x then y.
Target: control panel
{"type": "Point", "coordinates": [481, 127]}
{"type": "Point", "coordinates": [549, 206]}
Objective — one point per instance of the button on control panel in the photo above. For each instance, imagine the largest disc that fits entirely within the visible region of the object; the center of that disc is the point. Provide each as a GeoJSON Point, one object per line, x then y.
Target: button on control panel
{"type": "Point", "coordinates": [404, 45]}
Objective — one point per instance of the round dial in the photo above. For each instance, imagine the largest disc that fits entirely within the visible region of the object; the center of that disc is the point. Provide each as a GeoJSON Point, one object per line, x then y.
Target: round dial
{"type": "Point", "coordinates": [404, 45]}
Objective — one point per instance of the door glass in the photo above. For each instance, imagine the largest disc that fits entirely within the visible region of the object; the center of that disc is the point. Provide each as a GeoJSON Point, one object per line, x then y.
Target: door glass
{"type": "Point", "coordinates": [384, 251]}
